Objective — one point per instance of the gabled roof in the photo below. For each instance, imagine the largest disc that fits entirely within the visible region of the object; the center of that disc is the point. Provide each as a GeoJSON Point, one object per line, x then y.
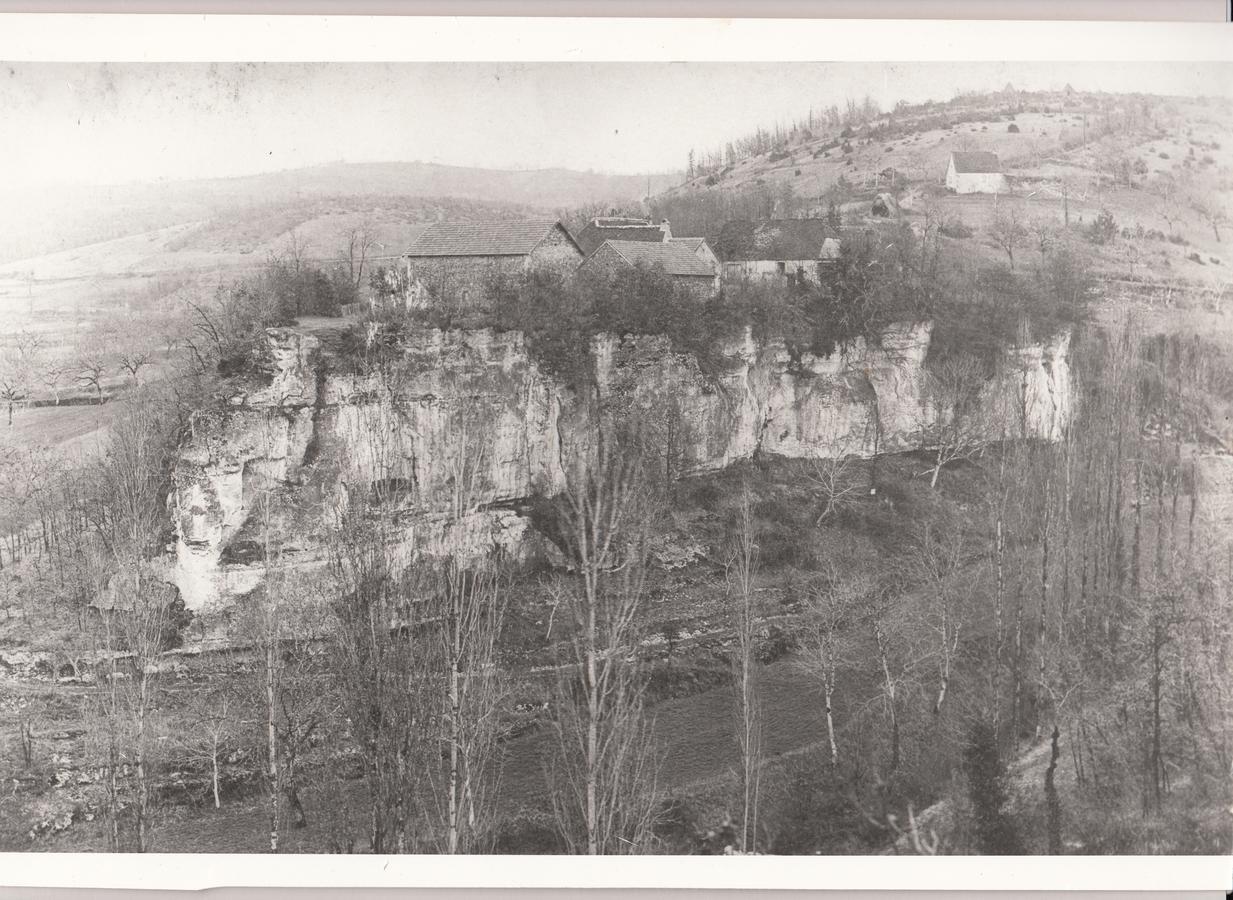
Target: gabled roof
{"type": "Point", "coordinates": [675, 258]}
{"type": "Point", "coordinates": [693, 243]}
{"type": "Point", "coordinates": [785, 239]}
{"type": "Point", "coordinates": [613, 228]}
{"type": "Point", "coordinates": [516, 238]}
{"type": "Point", "coordinates": [976, 162]}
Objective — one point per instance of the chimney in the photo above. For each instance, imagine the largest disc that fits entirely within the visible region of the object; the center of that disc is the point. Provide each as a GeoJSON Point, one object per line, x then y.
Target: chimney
{"type": "Point", "coordinates": [666, 228]}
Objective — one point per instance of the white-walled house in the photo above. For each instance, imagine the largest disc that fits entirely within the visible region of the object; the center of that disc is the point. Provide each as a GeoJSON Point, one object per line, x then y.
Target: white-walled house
{"type": "Point", "coordinates": [975, 172]}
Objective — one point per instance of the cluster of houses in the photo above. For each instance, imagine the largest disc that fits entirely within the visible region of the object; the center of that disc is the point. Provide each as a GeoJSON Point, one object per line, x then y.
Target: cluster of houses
{"type": "Point", "coordinates": [454, 262]}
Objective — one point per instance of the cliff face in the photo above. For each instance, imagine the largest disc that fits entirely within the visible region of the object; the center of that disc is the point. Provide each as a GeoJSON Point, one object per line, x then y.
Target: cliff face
{"type": "Point", "coordinates": [474, 406]}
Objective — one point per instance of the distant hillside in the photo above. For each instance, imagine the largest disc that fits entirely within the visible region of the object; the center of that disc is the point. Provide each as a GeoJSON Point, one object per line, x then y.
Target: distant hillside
{"type": "Point", "coordinates": [1041, 138]}
{"type": "Point", "coordinates": [39, 222]}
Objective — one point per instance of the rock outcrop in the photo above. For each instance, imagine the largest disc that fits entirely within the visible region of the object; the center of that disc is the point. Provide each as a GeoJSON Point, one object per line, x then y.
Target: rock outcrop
{"type": "Point", "coordinates": [475, 405]}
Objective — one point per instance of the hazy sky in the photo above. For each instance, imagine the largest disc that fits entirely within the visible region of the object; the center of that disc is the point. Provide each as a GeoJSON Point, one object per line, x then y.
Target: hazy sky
{"type": "Point", "coordinates": [119, 122]}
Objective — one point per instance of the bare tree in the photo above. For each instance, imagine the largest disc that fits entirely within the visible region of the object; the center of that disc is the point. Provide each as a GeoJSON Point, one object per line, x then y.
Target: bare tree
{"type": "Point", "coordinates": [606, 797]}
{"type": "Point", "coordinates": [835, 477]}
{"type": "Point", "coordinates": [14, 381]}
{"type": "Point", "coordinates": [359, 241]}
{"type": "Point", "coordinates": [1007, 230]}
{"type": "Point", "coordinates": [1044, 235]}
{"type": "Point", "coordinates": [937, 563]}
{"type": "Point", "coordinates": [742, 569]}
{"type": "Point", "coordinates": [94, 362]}
{"type": "Point", "coordinates": [52, 375]}
{"type": "Point", "coordinates": [136, 347]}
{"type": "Point", "coordinates": [952, 389]}
{"type": "Point", "coordinates": [828, 645]}
{"type": "Point", "coordinates": [471, 599]}
{"type": "Point", "coordinates": [131, 481]}
{"type": "Point", "coordinates": [206, 738]}
{"type": "Point", "coordinates": [1212, 208]}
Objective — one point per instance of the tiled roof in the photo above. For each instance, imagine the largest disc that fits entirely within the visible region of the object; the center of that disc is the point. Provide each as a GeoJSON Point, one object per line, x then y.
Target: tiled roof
{"type": "Point", "coordinates": [675, 258]}
{"type": "Point", "coordinates": [976, 162]}
{"type": "Point", "coordinates": [517, 238]}
{"type": "Point", "coordinates": [693, 243]}
{"type": "Point", "coordinates": [784, 239]}
{"type": "Point", "coordinates": [612, 229]}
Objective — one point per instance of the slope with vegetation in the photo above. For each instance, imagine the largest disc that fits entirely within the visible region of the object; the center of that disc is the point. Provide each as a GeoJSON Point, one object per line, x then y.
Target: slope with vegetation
{"type": "Point", "coordinates": [963, 647]}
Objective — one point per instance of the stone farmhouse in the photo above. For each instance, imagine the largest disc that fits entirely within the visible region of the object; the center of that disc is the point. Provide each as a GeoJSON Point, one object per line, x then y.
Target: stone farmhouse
{"type": "Point", "coordinates": [975, 172]}
{"type": "Point", "coordinates": [798, 249]}
{"type": "Point", "coordinates": [614, 228]}
{"type": "Point", "coordinates": [620, 228]}
{"type": "Point", "coordinates": [677, 258]}
{"type": "Point", "coordinates": [454, 262]}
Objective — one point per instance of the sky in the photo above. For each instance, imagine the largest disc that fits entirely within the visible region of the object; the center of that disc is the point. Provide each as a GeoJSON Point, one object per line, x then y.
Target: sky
{"type": "Point", "coordinates": [109, 123]}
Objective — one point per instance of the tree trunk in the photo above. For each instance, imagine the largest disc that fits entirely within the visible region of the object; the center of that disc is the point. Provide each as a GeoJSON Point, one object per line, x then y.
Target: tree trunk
{"type": "Point", "coordinates": [830, 726]}
{"type": "Point", "coordinates": [214, 768]}
{"type": "Point", "coordinates": [143, 788]}
{"type": "Point", "coordinates": [592, 748]}
{"type": "Point", "coordinates": [455, 713]}
{"type": "Point", "coordinates": [271, 661]}
{"type": "Point", "coordinates": [1053, 803]}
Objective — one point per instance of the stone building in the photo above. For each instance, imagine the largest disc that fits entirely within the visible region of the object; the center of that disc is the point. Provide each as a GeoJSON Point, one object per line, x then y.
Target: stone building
{"type": "Point", "coordinates": [975, 172]}
{"type": "Point", "coordinates": [622, 228]}
{"type": "Point", "coordinates": [779, 249]}
{"type": "Point", "coordinates": [454, 262]}
{"type": "Point", "coordinates": [676, 258]}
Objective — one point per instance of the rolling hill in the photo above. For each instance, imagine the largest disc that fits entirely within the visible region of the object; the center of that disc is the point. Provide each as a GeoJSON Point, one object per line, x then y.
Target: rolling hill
{"type": "Point", "coordinates": [36, 222]}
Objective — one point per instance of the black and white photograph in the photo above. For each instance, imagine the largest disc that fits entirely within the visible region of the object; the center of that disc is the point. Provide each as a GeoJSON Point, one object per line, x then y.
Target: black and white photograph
{"type": "Point", "coordinates": [646, 457]}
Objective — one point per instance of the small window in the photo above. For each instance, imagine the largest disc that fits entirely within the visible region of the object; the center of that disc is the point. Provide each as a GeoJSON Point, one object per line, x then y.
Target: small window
{"type": "Point", "coordinates": [783, 268]}
{"type": "Point", "coordinates": [466, 295]}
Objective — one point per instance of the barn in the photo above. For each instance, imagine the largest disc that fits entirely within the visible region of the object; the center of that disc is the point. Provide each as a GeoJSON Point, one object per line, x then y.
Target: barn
{"type": "Point", "coordinates": [621, 228]}
{"type": "Point", "coordinates": [779, 248]}
{"type": "Point", "coordinates": [612, 228]}
{"type": "Point", "coordinates": [454, 262]}
{"type": "Point", "coordinates": [676, 258]}
{"type": "Point", "coordinates": [975, 172]}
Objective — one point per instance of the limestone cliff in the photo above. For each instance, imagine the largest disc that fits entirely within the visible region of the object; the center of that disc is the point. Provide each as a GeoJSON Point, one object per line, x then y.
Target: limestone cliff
{"type": "Point", "coordinates": [285, 451]}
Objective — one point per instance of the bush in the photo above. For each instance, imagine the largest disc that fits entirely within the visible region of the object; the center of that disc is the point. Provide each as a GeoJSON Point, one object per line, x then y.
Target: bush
{"type": "Point", "coordinates": [954, 227]}
{"type": "Point", "coordinates": [1012, 128]}
{"type": "Point", "coordinates": [1194, 257]}
{"type": "Point", "coordinates": [1103, 229]}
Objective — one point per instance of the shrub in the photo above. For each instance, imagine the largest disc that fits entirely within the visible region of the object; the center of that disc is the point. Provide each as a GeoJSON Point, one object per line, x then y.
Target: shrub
{"type": "Point", "coordinates": [1177, 239]}
{"type": "Point", "coordinates": [1012, 128]}
{"type": "Point", "coordinates": [954, 227]}
{"type": "Point", "coordinates": [1194, 257]}
{"type": "Point", "coordinates": [1163, 155]}
{"type": "Point", "coordinates": [777, 155]}
{"type": "Point", "coordinates": [1103, 229]}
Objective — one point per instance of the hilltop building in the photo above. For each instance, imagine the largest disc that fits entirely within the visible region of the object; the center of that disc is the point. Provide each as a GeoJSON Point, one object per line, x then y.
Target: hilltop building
{"type": "Point", "coordinates": [622, 228]}
{"type": "Point", "coordinates": [675, 257]}
{"type": "Point", "coordinates": [613, 228]}
{"type": "Point", "coordinates": [975, 172]}
{"type": "Point", "coordinates": [779, 248]}
{"type": "Point", "coordinates": [453, 262]}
